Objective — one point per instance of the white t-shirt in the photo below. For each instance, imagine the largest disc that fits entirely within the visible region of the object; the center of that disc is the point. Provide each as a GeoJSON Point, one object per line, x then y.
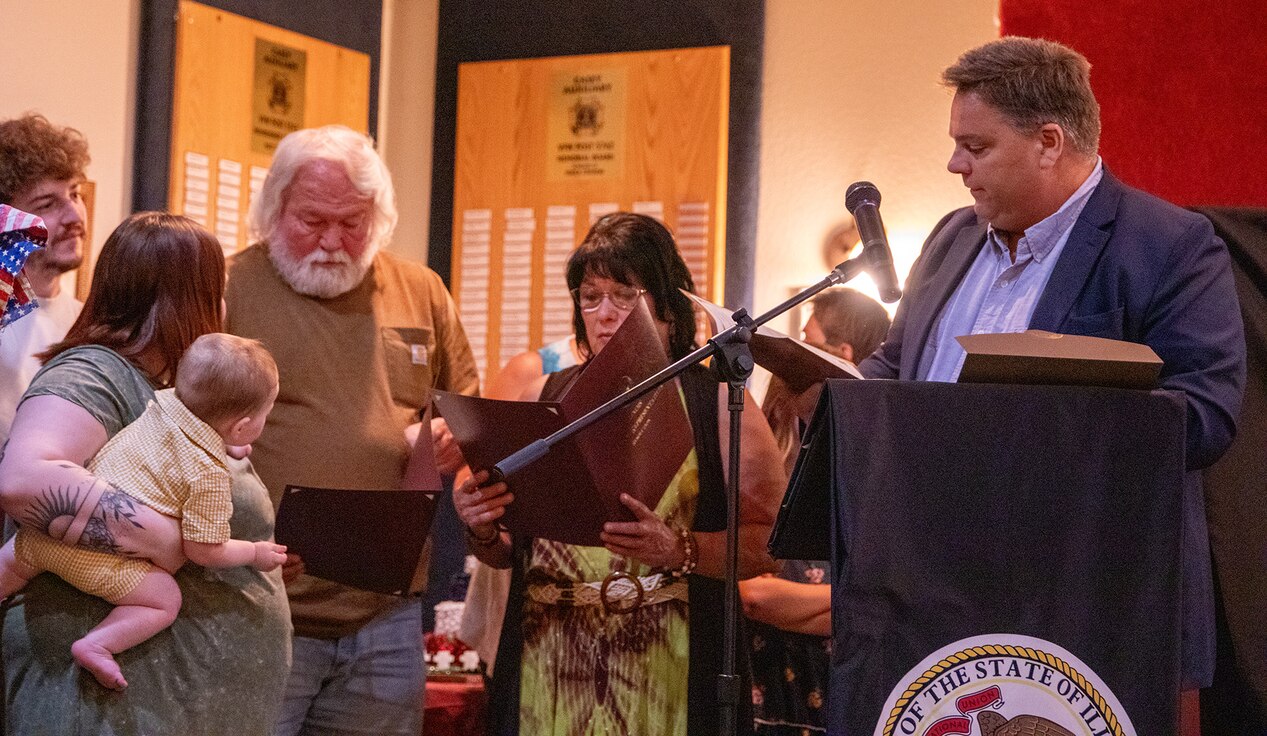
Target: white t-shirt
{"type": "Point", "coordinates": [21, 341]}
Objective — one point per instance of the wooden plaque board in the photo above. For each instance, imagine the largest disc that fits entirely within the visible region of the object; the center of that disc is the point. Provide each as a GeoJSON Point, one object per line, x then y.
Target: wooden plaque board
{"type": "Point", "coordinates": [546, 146]}
{"type": "Point", "coordinates": [240, 86]}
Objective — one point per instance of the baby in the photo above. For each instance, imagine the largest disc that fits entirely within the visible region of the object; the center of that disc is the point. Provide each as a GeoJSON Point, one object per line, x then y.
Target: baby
{"type": "Point", "coordinates": [174, 458]}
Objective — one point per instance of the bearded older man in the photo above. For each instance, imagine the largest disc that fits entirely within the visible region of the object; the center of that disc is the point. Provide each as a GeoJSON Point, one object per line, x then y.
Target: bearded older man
{"type": "Point", "coordinates": [360, 337]}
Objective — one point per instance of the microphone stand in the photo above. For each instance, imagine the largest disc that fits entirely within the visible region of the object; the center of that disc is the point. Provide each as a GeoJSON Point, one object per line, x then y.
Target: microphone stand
{"type": "Point", "coordinates": [733, 362]}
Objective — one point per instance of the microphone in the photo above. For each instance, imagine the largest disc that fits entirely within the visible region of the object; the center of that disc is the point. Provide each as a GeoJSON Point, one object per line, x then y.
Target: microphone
{"type": "Point", "coordinates": [862, 200]}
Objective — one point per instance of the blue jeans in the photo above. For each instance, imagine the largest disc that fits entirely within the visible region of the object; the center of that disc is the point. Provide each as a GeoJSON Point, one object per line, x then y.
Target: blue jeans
{"type": "Point", "coordinates": [370, 682]}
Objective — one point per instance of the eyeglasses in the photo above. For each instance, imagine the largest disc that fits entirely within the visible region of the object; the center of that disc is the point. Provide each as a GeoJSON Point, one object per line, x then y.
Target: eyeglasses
{"type": "Point", "coordinates": [622, 297]}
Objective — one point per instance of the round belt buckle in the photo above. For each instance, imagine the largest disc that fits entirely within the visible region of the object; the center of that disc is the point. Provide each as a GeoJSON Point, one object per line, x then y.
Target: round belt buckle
{"type": "Point", "coordinates": [612, 605]}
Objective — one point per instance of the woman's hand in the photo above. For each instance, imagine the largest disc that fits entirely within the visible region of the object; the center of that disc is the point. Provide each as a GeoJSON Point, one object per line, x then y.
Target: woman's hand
{"type": "Point", "coordinates": [479, 507]}
{"type": "Point", "coordinates": [648, 539]}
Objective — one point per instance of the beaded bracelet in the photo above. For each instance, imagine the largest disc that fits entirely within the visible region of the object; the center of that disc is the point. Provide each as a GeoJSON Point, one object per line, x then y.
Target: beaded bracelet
{"type": "Point", "coordinates": [692, 553]}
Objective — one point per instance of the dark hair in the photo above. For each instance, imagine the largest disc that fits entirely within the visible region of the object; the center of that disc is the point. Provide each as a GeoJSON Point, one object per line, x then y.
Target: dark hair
{"type": "Point", "coordinates": [158, 285]}
{"type": "Point", "coordinates": [851, 317]}
{"type": "Point", "coordinates": [1032, 82]}
{"type": "Point", "coordinates": [225, 377]}
{"type": "Point", "coordinates": [632, 248]}
{"type": "Point", "coordinates": [32, 150]}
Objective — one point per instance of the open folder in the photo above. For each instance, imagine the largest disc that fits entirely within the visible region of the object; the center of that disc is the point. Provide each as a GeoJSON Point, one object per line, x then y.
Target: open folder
{"type": "Point", "coordinates": [799, 364]}
{"type": "Point", "coordinates": [367, 539]}
{"type": "Point", "coordinates": [569, 494]}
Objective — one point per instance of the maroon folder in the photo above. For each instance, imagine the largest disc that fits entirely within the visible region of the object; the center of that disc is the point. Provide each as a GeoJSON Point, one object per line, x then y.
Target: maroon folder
{"type": "Point", "coordinates": [569, 494]}
{"type": "Point", "coordinates": [421, 473]}
{"type": "Point", "coordinates": [1052, 359]}
{"type": "Point", "coordinates": [365, 539]}
{"type": "Point", "coordinates": [370, 540]}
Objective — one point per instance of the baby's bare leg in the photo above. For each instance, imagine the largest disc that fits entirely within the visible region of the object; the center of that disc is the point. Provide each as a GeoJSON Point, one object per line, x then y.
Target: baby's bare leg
{"type": "Point", "coordinates": [14, 573]}
{"type": "Point", "coordinates": [144, 612]}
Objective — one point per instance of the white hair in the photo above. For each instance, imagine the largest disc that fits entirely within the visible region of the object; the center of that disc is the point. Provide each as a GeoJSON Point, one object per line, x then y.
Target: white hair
{"type": "Point", "coordinates": [338, 144]}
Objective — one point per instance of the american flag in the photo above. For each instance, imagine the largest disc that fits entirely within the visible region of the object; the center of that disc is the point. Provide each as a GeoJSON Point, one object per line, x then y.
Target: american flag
{"type": "Point", "coordinates": [20, 234]}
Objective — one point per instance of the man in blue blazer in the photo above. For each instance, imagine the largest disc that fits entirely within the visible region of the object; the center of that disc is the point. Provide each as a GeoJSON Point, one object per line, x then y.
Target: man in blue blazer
{"type": "Point", "coordinates": [1055, 242]}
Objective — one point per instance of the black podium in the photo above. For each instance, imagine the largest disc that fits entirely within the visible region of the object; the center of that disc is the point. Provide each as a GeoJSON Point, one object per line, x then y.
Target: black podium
{"type": "Point", "coordinates": [989, 542]}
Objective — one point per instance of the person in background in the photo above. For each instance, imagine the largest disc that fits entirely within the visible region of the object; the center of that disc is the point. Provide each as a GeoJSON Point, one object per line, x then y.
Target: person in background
{"type": "Point", "coordinates": [844, 322]}
{"type": "Point", "coordinates": [790, 614]}
{"type": "Point", "coordinates": [361, 337]}
{"type": "Point", "coordinates": [221, 665]}
{"type": "Point", "coordinates": [573, 668]}
{"type": "Point", "coordinates": [521, 371]}
{"type": "Point", "coordinates": [41, 172]}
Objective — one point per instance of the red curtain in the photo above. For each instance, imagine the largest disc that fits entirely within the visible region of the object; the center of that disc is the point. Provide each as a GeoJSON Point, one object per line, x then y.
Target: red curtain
{"type": "Point", "coordinates": [1182, 86]}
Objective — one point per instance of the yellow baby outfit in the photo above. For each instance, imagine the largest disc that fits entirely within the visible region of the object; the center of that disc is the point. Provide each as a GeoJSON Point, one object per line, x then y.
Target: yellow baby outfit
{"type": "Point", "coordinates": [170, 460]}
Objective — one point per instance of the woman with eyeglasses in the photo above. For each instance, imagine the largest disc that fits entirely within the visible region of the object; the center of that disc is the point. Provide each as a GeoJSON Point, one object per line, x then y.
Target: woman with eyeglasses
{"type": "Point", "coordinates": [575, 668]}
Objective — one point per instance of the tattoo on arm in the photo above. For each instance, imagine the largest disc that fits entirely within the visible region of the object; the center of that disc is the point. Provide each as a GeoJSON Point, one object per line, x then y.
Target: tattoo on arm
{"type": "Point", "coordinates": [113, 508]}
{"type": "Point", "coordinates": [53, 510]}
{"type": "Point", "coordinates": [97, 537]}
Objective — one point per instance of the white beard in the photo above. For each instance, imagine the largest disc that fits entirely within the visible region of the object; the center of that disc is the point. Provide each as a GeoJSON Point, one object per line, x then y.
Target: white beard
{"type": "Point", "coordinates": [322, 281]}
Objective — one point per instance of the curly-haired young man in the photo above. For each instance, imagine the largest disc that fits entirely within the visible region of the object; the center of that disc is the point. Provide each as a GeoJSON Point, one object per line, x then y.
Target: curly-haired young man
{"type": "Point", "coordinates": [41, 170]}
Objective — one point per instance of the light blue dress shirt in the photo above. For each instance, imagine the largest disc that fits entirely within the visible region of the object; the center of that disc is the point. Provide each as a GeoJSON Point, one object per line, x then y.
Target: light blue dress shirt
{"type": "Point", "coordinates": [997, 295]}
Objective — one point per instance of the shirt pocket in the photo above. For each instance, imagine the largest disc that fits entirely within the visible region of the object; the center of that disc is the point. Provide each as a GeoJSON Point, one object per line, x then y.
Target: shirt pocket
{"type": "Point", "coordinates": [1105, 324]}
{"type": "Point", "coordinates": [407, 356]}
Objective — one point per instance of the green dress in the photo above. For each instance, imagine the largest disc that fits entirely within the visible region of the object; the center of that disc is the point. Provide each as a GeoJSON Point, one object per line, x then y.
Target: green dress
{"type": "Point", "coordinates": [220, 668]}
{"type": "Point", "coordinates": [588, 672]}
{"type": "Point", "coordinates": [549, 677]}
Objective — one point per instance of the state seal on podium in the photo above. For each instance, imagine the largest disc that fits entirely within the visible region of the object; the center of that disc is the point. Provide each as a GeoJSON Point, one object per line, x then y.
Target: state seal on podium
{"type": "Point", "coordinates": [1002, 685]}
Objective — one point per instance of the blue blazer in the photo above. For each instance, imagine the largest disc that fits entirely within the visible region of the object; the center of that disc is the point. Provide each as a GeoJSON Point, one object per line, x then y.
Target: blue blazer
{"type": "Point", "coordinates": [1135, 268]}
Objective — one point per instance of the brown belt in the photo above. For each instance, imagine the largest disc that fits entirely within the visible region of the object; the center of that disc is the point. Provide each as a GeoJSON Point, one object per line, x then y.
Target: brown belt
{"type": "Point", "coordinates": [620, 592]}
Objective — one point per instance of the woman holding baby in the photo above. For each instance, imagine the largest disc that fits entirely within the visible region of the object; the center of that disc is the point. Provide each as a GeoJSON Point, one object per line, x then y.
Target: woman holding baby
{"type": "Point", "coordinates": [220, 666]}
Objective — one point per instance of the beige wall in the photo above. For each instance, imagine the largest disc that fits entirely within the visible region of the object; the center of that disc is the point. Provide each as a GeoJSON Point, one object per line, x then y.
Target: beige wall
{"type": "Point", "coordinates": [78, 59]}
{"type": "Point", "coordinates": [74, 61]}
{"type": "Point", "coordinates": [850, 93]}
{"type": "Point", "coordinates": [406, 115]}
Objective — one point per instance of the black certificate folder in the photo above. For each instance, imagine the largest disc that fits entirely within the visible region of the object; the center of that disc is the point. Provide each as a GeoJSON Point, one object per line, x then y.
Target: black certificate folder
{"type": "Point", "coordinates": [370, 540]}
